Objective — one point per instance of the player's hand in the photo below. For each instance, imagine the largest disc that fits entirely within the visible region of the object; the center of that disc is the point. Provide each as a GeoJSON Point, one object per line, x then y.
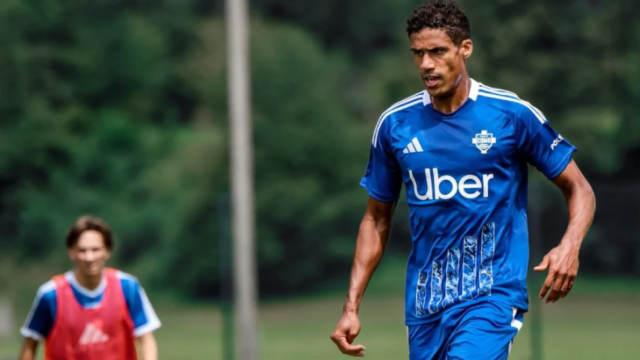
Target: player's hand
{"type": "Point", "coordinates": [562, 262]}
{"type": "Point", "coordinates": [346, 331]}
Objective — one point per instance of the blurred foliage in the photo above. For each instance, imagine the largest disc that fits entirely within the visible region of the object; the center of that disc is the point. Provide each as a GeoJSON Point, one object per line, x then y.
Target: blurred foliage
{"type": "Point", "coordinates": [119, 108]}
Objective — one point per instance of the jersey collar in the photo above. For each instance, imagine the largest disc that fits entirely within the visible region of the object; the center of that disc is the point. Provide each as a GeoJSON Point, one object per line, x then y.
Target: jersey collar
{"type": "Point", "coordinates": [473, 93]}
{"type": "Point", "coordinates": [84, 291]}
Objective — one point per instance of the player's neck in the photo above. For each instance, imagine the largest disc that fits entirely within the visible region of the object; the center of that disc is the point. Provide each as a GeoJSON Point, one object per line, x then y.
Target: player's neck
{"type": "Point", "coordinates": [450, 104]}
{"type": "Point", "coordinates": [89, 282]}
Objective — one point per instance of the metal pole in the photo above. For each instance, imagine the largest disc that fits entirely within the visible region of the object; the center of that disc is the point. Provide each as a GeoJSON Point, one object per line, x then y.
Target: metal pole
{"type": "Point", "coordinates": [242, 196]}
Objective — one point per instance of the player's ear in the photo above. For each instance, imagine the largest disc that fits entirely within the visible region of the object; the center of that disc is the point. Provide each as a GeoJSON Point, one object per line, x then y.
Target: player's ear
{"type": "Point", "coordinates": [71, 254]}
{"type": "Point", "coordinates": [466, 48]}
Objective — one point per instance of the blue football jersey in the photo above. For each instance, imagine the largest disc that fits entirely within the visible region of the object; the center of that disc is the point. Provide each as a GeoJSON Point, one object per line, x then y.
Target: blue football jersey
{"type": "Point", "coordinates": [465, 175]}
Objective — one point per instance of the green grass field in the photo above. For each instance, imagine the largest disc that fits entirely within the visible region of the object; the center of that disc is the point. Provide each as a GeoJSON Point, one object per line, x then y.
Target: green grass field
{"type": "Point", "coordinates": [601, 320]}
{"type": "Point", "coordinates": [579, 328]}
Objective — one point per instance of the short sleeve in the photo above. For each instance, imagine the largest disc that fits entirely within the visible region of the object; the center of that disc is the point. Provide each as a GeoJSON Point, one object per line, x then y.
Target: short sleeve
{"type": "Point", "coordinates": [542, 146]}
{"type": "Point", "coordinates": [142, 313]}
{"type": "Point", "coordinates": [40, 320]}
{"type": "Point", "coordinates": [383, 177]}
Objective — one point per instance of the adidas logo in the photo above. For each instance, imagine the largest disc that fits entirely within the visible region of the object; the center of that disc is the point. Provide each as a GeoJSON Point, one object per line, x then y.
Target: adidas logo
{"type": "Point", "coordinates": [93, 335]}
{"type": "Point", "coordinates": [414, 146]}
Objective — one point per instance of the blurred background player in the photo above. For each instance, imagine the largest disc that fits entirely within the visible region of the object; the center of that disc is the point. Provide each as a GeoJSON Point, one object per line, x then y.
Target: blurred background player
{"type": "Point", "coordinates": [91, 312]}
{"type": "Point", "coordinates": [461, 149]}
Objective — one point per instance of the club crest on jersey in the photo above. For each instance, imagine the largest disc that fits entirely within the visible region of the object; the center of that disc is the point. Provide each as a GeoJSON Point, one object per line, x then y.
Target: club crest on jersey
{"type": "Point", "coordinates": [484, 141]}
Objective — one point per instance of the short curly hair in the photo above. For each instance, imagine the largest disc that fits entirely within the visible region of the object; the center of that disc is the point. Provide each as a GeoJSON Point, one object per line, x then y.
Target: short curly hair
{"type": "Point", "coordinates": [440, 14]}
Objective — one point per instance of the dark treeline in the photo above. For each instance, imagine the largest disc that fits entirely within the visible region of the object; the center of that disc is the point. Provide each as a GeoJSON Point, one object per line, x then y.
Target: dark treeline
{"type": "Point", "coordinates": [118, 108]}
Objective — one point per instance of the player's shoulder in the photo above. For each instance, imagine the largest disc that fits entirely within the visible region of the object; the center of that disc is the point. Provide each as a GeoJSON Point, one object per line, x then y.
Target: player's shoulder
{"type": "Point", "coordinates": [47, 288]}
{"type": "Point", "coordinates": [508, 102]}
{"type": "Point", "coordinates": [397, 111]}
{"type": "Point", "coordinates": [405, 105]}
{"type": "Point", "coordinates": [126, 279]}
{"type": "Point", "coordinates": [46, 292]}
{"type": "Point", "coordinates": [129, 283]}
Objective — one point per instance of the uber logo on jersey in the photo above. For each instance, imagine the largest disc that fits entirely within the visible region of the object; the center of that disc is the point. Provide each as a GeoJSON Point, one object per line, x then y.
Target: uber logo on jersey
{"type": "Point", "coordinates": [469, 186]}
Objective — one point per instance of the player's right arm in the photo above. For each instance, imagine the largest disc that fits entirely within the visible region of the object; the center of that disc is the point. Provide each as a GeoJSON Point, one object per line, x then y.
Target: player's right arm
{"type": "Point", "coordinates": [39, 321]}
{"type": "Point", "coordinates": [370, 245]}
{"type": "Point", "coordinates": [383, 180]}
{"type": "Point", "coordinates": [29, 347]}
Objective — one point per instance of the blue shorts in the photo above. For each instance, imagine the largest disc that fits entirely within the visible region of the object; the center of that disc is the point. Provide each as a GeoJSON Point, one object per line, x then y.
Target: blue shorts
{"type": "Point", "coordinates": [479, 331]}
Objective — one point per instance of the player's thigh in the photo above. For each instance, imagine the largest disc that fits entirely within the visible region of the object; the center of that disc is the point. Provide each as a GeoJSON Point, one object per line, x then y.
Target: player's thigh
{"type": "Point", "coordinates": [426, 341]}
{"type": "Point", "coordinates": [485, 333]}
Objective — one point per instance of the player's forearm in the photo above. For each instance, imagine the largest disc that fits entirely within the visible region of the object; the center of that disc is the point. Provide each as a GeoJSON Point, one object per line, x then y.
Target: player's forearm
{"type": "Point", "coordinates": [28, 351]}
{"type": "Point", "coordinates": [582, 205]}
{"type": "Point", "coordinates": [148, 347]}
{"type": "Point", "coordinates": [370, 246]}
{"type": "Point", "coordinates": [27, 355]}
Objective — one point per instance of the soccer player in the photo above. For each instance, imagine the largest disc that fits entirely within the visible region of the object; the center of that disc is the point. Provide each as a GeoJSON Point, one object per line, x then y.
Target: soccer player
{"type": "Point", "coordinates": [92, 312]}
{"type": "Point", "coordinates": [461, 149]}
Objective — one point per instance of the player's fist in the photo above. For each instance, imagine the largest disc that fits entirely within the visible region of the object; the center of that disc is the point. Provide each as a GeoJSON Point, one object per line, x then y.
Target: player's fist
{"type": "Point", "coordinates": [346, 331]}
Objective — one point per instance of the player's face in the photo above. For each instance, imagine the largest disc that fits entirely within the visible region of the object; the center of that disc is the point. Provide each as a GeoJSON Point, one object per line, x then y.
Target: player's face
{"type": "Point", "coordinates": [89, 253]}
{"type": "Point", "coordinates": [442, 64]}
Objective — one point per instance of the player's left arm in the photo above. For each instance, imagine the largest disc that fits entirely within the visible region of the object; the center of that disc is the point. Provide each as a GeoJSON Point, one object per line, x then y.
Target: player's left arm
{"type": "Point", "coordinates": [143, 316]}
{"type": "Point", "coordinates": [148, 347]}
{"type": "Point", "coordinates": [552, 155]}
{"type": "Point", "coordinates": [562, 261]}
